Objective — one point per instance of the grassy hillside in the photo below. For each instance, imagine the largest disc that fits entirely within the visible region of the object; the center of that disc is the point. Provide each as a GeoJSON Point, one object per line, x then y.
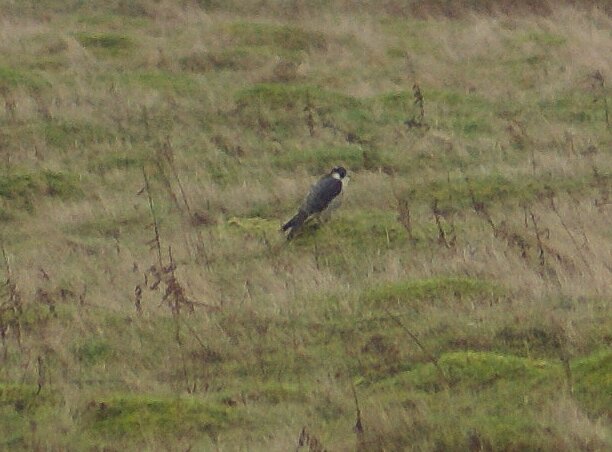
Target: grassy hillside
{"type": "Point", "coordinates": [459, 300]}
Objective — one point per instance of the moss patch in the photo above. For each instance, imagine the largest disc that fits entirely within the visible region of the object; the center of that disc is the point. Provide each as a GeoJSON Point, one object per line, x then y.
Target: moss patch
{"type": "Point", "coordinates": [131, 415]}
{"type": "Point", "coordinates": [376, 229]}
{"type": "Point", "coordinates": [254, 226]}
{"type": "Point", "coordinates": [19, 403]}
{"type": "Point", "coordinates": [593, 382]}
{"type": "Point", "coordinates": [438, 289]}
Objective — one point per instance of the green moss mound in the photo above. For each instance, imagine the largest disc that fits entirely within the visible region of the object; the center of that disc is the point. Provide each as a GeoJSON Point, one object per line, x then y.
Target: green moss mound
{"type": "Point", "coordinates": [593, 382]}
{"type": "Point", "coordinates": [433, 290]}
{"type": "Point", "coordinates": [254, 225]}
{"type": "Point", "coordinates": [374, 230]}
{"type": "Point", "coordinates": [132, 415]}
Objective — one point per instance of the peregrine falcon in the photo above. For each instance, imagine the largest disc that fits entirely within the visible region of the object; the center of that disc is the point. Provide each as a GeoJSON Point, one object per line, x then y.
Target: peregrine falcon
{"type": "Point", "coordinates": [323, 196]}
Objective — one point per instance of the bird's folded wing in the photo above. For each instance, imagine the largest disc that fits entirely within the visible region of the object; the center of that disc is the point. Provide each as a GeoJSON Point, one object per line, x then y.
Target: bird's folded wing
{"type": "Point", "coordinates": [322, 193]}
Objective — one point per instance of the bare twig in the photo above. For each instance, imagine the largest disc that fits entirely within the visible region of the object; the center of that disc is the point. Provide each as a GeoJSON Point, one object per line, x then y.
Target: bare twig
{"type": "Point", "coordinates": [138, 299]}
{"type": "Point", "coordinates": [537, 232]}
{"type": "Point", "coordinates": [358, 423]}
{"type": "Point", "coordinates": [480, 208]}
{"type": "Point", "coordinates": [603, 186]}
{"type": "Point", "coordinates": [167, 153]}
{"type": "Point", "coordinates": [403, 211]}
{"type": "Point", "coordinates": [437, 214]}
{"type": "Point", "coordinates": [157, 239]}
{"type": "Point", "coordinates": [40, 365]}
{"type": "Point", "coordinates": [598, 84]}
{"type": "Point", "coordinates": [419, 101]}
{"type": "Point", "coordinates": [175, 294]}
{"type": "Point", "coordinates": [308, 439]}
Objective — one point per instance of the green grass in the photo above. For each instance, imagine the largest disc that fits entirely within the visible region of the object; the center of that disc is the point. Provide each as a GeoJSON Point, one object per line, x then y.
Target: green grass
{"type": "Point", "coordinates": [479, 370]}
{"type": "Point", "coordinates": [140, 416]}
{"type": "Point", "coordinates": [381, 228]}
{"type": "Point", "coordinates": [234, 59]}
{"type": "Point", "coordinates": [22, 189]}
{"type": "Point", "coordinates": [319, 160]}
{"type": "Point", "coordinates": [543, 38]}
{"type": "Point", "coordinates": [107, 44]}
{"type": "Point", "coordinates": [286, 37]}
{"type": "Point", "coordinates": [64, 134]}
{"type": "Point", "coordinates": [18, 404]}
{"type": "Point", "coordinates": [161, 81]}
{"type": "Point", "coordinates": [574, 107]}
{"type": "Point", "coordinates": [432, 291]}
{"type": "Point", "coordinates": [279, 96]}
{"type": "Point", "coordinates": [498, 188]}
{"type": "Point", "coordinates": [506, 388]}
{"type": "Point", "coordinates": [11, 78]}
{"type": "Point", "coordinates": [93, 351]}
{"type": "Point", "coordinates": [173, 314]}
{"type": "Point", "coordinates": [593, 382]}
{"type": "Point", "coordinates": [111, 162]}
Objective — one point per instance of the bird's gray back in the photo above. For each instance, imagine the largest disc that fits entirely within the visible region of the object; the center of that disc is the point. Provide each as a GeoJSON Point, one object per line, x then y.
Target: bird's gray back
{"type": "Point", "coordinates": [321, 194]}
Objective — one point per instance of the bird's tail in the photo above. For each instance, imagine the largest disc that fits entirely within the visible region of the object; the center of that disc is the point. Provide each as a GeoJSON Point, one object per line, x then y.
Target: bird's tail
{"type": "Point", "coordinates": [296, 221]}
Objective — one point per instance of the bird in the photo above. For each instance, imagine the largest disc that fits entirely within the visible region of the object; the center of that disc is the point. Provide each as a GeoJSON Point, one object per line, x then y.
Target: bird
{"type": "Point", "coordinates": [323, 197]}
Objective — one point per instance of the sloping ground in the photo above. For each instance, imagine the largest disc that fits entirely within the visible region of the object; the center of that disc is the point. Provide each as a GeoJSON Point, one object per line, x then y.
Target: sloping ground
{"type": "Point", "coordinates": [459, 300]}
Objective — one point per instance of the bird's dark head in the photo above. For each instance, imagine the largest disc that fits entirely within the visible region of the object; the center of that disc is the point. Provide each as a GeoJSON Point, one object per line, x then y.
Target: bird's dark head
{"type": "Point", "coordinates": [338, 172]}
